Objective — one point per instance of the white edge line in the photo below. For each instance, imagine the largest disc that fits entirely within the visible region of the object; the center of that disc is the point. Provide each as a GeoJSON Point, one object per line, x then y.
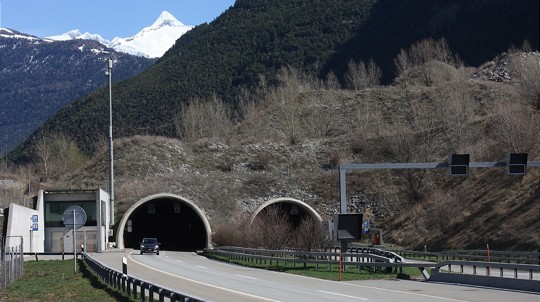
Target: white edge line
{"type": "Point", "coordinates": [247, 277]}
{"type": "Point", "coordinates": [202, 283]}
{"type": "Point", "coordinates": [342, 295]}
{"type": "Point", "coordinates": [409, 293]}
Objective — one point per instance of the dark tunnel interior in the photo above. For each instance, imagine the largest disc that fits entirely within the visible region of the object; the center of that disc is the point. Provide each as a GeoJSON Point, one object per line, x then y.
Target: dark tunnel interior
{"type": "Point", "coordinates": [174, 223]}
{"type": "Point", "coordinates": [294, 213]}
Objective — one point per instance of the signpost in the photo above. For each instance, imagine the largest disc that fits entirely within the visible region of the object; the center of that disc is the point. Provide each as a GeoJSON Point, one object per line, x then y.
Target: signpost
{"type": "Point", "coordinates": [74, 218]}
{"type": "Point", "coordinates": [366, 226]}
{"type": "Point", "coordinates": [33, 228]}
{"type": "Point", "coordinates": [34, 223]}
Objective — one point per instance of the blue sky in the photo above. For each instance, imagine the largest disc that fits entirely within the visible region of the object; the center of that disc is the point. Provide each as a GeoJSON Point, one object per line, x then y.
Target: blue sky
{"type": "Point", "coordinates": [109, 18]}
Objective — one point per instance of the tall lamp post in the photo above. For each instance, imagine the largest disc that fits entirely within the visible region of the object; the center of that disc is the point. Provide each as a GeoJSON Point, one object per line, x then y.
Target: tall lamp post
{"type": "Point", "coordinates": [111, 158]}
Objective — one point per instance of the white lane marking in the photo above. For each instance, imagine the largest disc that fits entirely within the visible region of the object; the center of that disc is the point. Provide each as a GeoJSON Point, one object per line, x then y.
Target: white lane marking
{"type": "Point", "coordinates": [202, 283]}
{"type": "Point", "coordinates": [391, 290]}
{"type": "Point", "coordinates": [408, 293]}
{"type": "Point", "coordinates": [247, 277]}
{"type": "Point", "coordinates": [179, 261]}
{"type": "Point", "coordinates": [203, 267]}
{"type": "Point", "coordinates": [342, 295]}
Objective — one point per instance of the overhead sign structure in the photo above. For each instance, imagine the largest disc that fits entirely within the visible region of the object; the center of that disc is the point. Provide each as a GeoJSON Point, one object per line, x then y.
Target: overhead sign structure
{"type": "Point", "coordinates": [458, 164]}
{"type": "Point", "coordinates": [74, 217]}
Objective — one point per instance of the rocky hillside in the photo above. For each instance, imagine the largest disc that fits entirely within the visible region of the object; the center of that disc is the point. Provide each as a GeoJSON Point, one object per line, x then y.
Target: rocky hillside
{"type": "Point", "coordinates": [405, 122]}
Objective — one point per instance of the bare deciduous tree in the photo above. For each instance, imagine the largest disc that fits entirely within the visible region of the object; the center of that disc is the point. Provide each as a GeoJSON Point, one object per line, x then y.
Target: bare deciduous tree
{"type": "Point", "coordinates": [204, 119]}
{"type": "Point", "coordinates": [309, 235]}
{"type": "Point", "coordinates": [360, 75]}
{"type": "Point", "coordinates": [518, 127]}
{"type": "Point", "coordinates": [527, 68]}
{"type": "Point", "coordinates": [285, 99]}
{"type": "Point", "coordinates": [421, 54]}
{"type": "Point", "coordinates": [367, 119]}
{"type": "Point", "coordinates": [455, 109]}
{"type": "Point", "coordinates": [56, 155]}
{"type": "Point", "coordinates": [271, 229]}
{"type": "Point", "coordinates": [444, 212]}
{"type": "Point", "coordinates": [331, 82]}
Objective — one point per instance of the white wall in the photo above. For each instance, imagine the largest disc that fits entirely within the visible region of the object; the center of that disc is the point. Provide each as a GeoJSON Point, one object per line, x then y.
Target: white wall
{"type": "Point", "coordinates": [19, 224]}
{"type": "Point", "coordinates": [103, 219]}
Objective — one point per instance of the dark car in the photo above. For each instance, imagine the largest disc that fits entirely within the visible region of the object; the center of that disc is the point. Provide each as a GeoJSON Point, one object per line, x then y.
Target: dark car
{"type": "Point", "coordinates": [149, 245]}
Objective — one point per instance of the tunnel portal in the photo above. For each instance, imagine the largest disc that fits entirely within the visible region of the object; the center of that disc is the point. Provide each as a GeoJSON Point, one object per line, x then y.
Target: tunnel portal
{"type": "Point", "coordinates": [294, 210]}
{"type": "Point", "coordinates": [177, 224]}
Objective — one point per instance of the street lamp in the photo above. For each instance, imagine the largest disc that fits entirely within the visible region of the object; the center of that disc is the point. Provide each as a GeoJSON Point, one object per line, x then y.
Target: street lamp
{"type": "Point", "coordinates": [111, 158]}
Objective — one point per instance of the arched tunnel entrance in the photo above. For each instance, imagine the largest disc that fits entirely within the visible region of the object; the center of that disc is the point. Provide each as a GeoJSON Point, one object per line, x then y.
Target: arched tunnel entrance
{"type": "Point", "coordinates": [176, 222]}
{"type": "Point", "coordinates": [294, 210]}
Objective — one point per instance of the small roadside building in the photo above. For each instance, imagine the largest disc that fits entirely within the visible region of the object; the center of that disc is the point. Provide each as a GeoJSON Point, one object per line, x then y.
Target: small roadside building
{"type": "Point", "coordinates": [42, 227]}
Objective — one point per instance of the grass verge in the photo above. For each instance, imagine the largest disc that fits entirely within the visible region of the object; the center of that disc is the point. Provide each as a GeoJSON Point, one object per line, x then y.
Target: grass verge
{"type": "Point", "coordinates": [55, 280]}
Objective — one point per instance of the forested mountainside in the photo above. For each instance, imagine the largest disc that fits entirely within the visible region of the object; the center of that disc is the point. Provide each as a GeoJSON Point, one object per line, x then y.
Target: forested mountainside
{"type": "Point", "coordinates": [38, 77]}
{"type": "Point", "coordinates": [284, 133]}
{"type": "Point", "coordinates": [255, 38]}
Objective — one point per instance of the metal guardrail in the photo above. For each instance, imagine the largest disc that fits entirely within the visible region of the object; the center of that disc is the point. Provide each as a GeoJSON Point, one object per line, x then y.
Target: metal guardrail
{"type": "Point", "coordinates": [509, 275]}
{"type": "Point", "coordinates": [475, 255]}
{"type": "Point", "coordinates": [357, 258]}
{"type": "Point", "coordinates": [140, 289]}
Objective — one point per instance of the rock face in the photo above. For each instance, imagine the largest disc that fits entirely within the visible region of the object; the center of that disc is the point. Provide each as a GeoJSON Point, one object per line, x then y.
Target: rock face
{"type": "Point", "coordinates": [501, 68]}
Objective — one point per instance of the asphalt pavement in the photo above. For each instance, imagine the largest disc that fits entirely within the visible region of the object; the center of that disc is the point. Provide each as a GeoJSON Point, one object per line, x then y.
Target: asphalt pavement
{"type": "Point", "coordinates": [211, 280]}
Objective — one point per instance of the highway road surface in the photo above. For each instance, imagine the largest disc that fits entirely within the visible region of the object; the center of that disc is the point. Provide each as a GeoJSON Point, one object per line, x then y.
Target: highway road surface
{"type": "Point", "coordinates": [211, 280]}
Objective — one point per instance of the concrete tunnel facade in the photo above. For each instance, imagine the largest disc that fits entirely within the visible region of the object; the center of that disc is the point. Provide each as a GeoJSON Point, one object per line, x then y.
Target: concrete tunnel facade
{"type": "Point", "coordinates": [295, 208]}
{"type": "Point", "coordinates": [180, 225]}
{"type": "Point", "coordinates": [177, 223]}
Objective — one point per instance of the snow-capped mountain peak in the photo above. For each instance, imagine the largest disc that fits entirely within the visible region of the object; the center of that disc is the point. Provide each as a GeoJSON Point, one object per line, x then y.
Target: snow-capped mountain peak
{"type": "Point", "coordinates": [150, 42]}
{"type": "Point", "coordinates": [75, 34]}
{"type": "Point", "coordinates": [166, 19]}
{"type": "Point", "coordinates": [155, 40]}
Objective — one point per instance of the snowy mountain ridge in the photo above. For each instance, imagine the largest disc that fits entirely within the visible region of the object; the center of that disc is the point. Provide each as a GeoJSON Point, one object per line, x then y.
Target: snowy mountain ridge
{"type": "Point", "coordinates": [150, 42]}
{"type": "Point", "coordinates": [76, 34]}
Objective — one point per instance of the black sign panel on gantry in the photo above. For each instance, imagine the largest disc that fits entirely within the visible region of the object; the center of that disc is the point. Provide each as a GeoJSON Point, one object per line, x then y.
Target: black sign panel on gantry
{"type": "Point", "coordinates": [348, 226]}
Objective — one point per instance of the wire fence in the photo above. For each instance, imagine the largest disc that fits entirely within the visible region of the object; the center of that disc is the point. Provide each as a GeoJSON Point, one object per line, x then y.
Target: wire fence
{"type": "Point", "coordinates": [11, 261]}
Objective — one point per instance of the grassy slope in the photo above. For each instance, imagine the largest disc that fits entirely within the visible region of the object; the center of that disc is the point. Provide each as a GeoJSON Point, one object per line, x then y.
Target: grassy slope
{"type": "Point", "coordinates": [55, 280]}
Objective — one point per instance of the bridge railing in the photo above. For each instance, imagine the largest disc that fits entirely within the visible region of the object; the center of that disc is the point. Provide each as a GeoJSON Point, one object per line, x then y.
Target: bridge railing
{"type": "Point", "coordinates": [474, 255]}
{"type": "Point", "coordinates": [138, 289]}
{"type": "Point", "coordinates": [503, 275]}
